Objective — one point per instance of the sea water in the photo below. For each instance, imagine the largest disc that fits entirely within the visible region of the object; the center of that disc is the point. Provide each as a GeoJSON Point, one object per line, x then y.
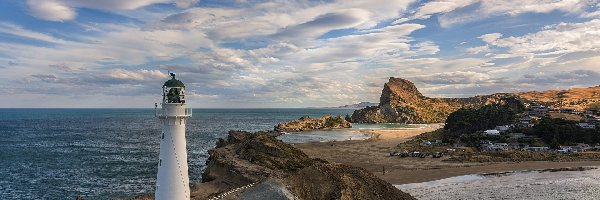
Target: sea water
{"type": "Point", "coordinates": [109, 153]}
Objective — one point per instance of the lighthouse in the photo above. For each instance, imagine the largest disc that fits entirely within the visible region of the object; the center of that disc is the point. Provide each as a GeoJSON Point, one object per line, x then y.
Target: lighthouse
{"type": "Point", "coordinates": [172, 181]}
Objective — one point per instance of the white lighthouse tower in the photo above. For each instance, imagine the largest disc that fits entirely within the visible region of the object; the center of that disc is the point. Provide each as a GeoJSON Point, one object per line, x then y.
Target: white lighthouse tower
{"type": "Point", "coordinates": [172, 181]}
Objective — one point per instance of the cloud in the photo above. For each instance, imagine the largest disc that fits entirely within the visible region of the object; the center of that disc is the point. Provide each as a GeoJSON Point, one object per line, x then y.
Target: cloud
{"type": "Point", "coordinates": [65, 10]}
{"type": "Point", "coordinates": [437, 7]}
{"type": "Point", "coordinates": [51, 10]}
{"type": "Point", "coordinates": [455, 78]}
{"type": "Point", "coordinates": [555, 39]}
{"type": "Point", "coordinates": [477, 50]}
{"type": "Point", "coordinates": [324, 23]}
{"type": "Point", "coordinates": [186, 3]}
{"type": "Point", "coordinates": [16, 30]}
{"type": "Point", "coordinates": [139, 75]}
{"type": "Point", "coordinates": [575, 78]}
{"type": "Point", "coordinates": [463, 11]}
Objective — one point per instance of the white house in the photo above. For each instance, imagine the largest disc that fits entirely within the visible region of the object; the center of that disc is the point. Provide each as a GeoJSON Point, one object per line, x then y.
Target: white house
{"type": "Point", "coordinates": [586, 125]}
{"type": "Point", "coordinates": [491, 132]}
{"type": "Point", "coordinates": [502, 128]}
{"type": "Point", "coordinates": [538, 148]}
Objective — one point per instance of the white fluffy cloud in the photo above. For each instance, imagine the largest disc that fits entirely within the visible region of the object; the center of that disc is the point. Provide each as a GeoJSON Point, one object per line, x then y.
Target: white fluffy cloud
{"type": "Point", "coordinates": [51, 10]}
{"type": "Point", "coordinates": [452, 11]}
{"type": "Point", "coordinates": [555, 39]}
{"type": "Point", "coordinates": [64, 10]}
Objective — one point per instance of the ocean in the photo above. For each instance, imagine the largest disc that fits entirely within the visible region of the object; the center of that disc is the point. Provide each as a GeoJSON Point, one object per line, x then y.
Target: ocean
{"type": "Point", "coordinates": [110, 153]}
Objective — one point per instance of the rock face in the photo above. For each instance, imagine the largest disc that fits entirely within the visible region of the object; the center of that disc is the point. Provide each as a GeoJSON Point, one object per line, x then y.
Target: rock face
{"type": "Point", "coordinates": [401, 102]}
{"type": "Point", "coordinates": [308, 123]}
{"type": "Point", "coordinates": [280, 171]}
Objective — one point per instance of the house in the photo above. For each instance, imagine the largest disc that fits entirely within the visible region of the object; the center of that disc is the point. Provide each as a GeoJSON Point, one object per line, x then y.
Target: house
{"type": "Point", "coordinates": [504, 146]}
{"type": "Point", "coordinates": [569, 110]}
{"type": "Point", "coordinates": [566, 149]}
{"type": "Point", "coordinates": [538, 111]}
{"type": "Point", "coordinates": [562, 151]}
{"type": "Point", "coordinates": [586, 125]}
{"type": "Point", "coordinates": [502, 129]}
{"type": "Point", "coordinates": [517, 145]}
{"type": "Point", "coordinates": [516, 135]}
{"type": "Point", "coordinates": [495, 147]}
{"type": "Point", "coordinates": [485, 142]}
{"type": "Point", "coordinates": [592, 119]}
{"type": "Point", "coordinates": [588, 112]}
{"type": "Point", "coordinates": [538, 149]}
{"type": "Point", "coordinates": [459, 145]}
{"type": "Point", "coordinates": [582, 147]}
{"type": "Point", "coordinates": [528, 121]}
{"type": "Point", "coordinates": [492, 132]}
{"type": "Point", "coordinates": [435, 143]}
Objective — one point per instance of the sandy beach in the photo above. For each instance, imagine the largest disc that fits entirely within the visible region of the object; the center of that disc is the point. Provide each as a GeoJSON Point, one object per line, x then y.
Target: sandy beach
{"type": "Point", "coordinates": [373, 155]}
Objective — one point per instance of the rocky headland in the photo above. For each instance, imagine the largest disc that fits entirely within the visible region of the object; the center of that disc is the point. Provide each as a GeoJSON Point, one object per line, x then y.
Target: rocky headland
{"type": "Point", "coordinates": [308, 123]}
{"type": "Point", "coordinates": [401, 102]}
{"type": "Point", "coordinates": [259, 166]}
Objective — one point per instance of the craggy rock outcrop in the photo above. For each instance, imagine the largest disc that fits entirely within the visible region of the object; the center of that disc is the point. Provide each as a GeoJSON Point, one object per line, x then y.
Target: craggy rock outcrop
{"type": "Point", "coordinates": [307, 123]}
{"type": "Point", "coordinates": [280, 171]}
{"type": "Point", "coordinates": [401, 102]}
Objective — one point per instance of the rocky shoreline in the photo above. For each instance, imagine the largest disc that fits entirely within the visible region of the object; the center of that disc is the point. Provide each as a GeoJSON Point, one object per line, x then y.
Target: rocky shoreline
{"type": "Point", "coordinates": [280, 171]}
{"type": "Point", "coordinates": [307, 123]}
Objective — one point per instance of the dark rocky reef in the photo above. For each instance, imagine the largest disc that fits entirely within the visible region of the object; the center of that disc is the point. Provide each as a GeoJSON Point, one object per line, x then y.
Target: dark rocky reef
{"type": "Point", "coordinates": [277, 170]}
{"type": "Point", "coordinates": [307, 123]}
{"type": "Point", "coordinates": [401, 102]}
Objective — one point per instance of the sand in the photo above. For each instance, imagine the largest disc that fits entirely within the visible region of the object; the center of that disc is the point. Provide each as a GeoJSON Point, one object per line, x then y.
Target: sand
{"type": "Point", "coordinates": [373, 155]}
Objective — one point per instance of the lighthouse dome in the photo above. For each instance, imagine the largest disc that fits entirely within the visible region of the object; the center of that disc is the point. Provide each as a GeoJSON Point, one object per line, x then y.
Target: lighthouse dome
{"type": "Point", "coordinates": [174, 82]}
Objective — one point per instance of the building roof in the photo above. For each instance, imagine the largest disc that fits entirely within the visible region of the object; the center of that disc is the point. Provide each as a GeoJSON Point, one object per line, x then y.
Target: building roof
{"type": "Point", "coordinates": [174, 82]}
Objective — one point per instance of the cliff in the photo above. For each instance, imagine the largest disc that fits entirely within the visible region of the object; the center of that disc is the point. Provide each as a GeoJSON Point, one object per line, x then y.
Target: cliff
{"type": "Point", "coordinates": [308, 123]}
{"type": "Point", "coordinates": [401, 102]}
{"type": "Point", "coordinates": [262, 167]}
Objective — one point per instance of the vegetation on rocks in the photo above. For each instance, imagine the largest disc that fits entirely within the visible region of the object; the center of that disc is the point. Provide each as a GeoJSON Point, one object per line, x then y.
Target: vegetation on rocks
{"type": "Point", "coordinates": [469, 120]}
{"type": "Point", "coordinates": [559, 131]}
{"type": "Point", "coordinates": [307, 123]}
{"type": "Point", "coordinates": [243, 158]}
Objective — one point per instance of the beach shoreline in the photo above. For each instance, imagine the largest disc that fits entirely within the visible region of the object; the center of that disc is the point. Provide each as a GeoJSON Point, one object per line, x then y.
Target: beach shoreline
{"type": "Point", "coordinates": [373, 155]}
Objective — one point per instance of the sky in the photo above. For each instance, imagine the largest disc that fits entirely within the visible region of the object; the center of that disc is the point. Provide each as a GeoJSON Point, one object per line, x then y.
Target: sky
{"type": "Point", "coordinates": [274, 54]}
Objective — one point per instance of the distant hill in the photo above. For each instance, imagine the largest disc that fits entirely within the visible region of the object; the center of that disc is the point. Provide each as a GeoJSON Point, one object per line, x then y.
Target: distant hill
{"type": "Point", "coordinates": [360, 105]}
{"type": "Point", "coordinates": [577, 98]}
{"type": "Point", "coordinates": [401, 102]}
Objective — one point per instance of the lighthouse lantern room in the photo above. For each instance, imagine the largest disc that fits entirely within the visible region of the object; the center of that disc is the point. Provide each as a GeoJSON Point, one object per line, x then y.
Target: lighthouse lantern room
{"type": "Point", "coordinates": [172, 181]}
